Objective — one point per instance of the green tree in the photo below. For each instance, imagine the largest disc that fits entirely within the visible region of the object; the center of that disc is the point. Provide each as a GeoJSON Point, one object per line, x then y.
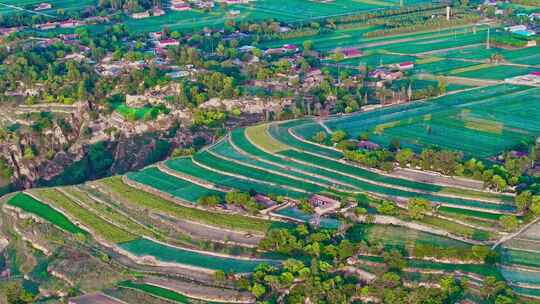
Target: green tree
{"type": "Point", "coordinates": [404, 156]}
{"type": "Point", "coordinates": [418, 207]}
{"type": "Point", "coordinates": [523, 200]}
{"type": "Point", "coordinates": [319, 137]}
{"type": "Point", "coordinates": [16, 294]}
{"type": "Point", "coordinates": [209, 200]}
{"type": "Point", "coordinates": [535, 205]}
{"type": "Point", "coordinates": [509, 222]}
{"type": "Point", "coordinates": [258, 290]}
{"type": "Point", "coordinates": [387, 208]}
{"type": "Point", "coordinates": [338, 136]}
{"type": "Point", "coordinates": [499, 183]}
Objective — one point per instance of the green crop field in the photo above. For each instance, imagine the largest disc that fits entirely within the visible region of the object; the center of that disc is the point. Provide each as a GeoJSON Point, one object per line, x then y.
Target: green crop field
{"type": "Point", "coordinates": [66, 5]}
{"type": "Point", "coordinates": [164, 253]}
{"type": "Point", "coordinates": [186, 166]}
{"type": "Point", "coordinates": [364, 180]}
{"type": "Point", "coordinates": [399, 237]}
{"type": "Point", "coordinates": [257, 174]}
{"type": "Point", "coordinates": [481, 122]}
{"type": "Point", "coordinates": [89, 219]}
{"type": "Point", "coordinates": [150, 201]}
{"type": "Point", "coordinates": [156, 291]}
{"type": "Point", "coordinates": [282, 10]}
{"type": "Point", "coordinates": [498, 72]}
{"type": "Point", "coordinates": [179, 188]}
{"type": "Point", "coordinates": [110, 213]}
{"type": "Point", "coordinates": [389, 191]}
{"type": "Point", "coordinates": [31, 205]}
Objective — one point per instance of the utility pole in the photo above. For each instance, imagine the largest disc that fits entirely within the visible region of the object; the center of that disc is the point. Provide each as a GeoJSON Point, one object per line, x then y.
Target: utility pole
{"type": "Point", "coordinates": [487, 40]}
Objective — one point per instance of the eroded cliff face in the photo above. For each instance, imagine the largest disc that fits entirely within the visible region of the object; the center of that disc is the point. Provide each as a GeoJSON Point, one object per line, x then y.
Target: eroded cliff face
{"type": "Point", "coordinates": [114, 156]}
{"type": "Point", "coordinates": [73, 151]}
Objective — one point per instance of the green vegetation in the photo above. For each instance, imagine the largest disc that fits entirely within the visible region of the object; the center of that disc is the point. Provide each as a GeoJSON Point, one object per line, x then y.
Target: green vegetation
{"type": "Point", "coordinates": [156, 291]}
{"type": "Point", "coordinates": [96, 224]}
{"type": "Point", "coordinates": [179, 188]}
{"type": "Point", "coordinates": [168, 254]}
{"type": "Point", "coordinates": [109, 213]}
{"type": "Point", "coordinates": [153, 202]}
{"type": "Point", "coordinates": [29, 204]}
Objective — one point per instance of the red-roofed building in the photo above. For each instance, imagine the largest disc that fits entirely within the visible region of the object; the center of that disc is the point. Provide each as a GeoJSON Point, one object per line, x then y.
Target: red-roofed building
{"type": "Point", "coordinates": [5, 31]}
{"type": "Point", "coordinates": [43, 6]}
{"type": "Point", "coordinates": [68, 36]}
{"type": "Point", "coordinates": [324, 204]}
{"type": "Point", "coordinates": [157, 12]}
{"type": "Point", "coordinates": [181, 7]}
{"type": "Point", "coordinates": [406, 65]}
{"type": "Point", "coordinates": [69, 23]}
{"type": "Point", "coordinates": [167, 42]}
{"type": "Point", "coordinates": [367, 145]}
{"type": "Point", "coordinates": [290, 48]}
{"type": "Point", "coordinates": [47, 26]}
{"type": "Point", "coordinates": [351, 53]}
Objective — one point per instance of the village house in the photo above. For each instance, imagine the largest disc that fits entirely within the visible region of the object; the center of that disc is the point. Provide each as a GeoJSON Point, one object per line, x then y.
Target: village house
{"type": "Point", "coordinates": [323, 204]}
{"type": "Point", "coordinates": [167, 42]}
{"type": "Point", "coordinates": [313, 78]}
{"type": "Point", "coordinates": [46, 26]}
{"type": "Point", "coordinates": [140, 15]}
{"type": "Point", "coordinates": [69, 23]}
{"type": "Point", "coordinates": [408, 65]}
{"type": "Point", "coordinates": [6, 31]}
{"type": "Point", "coordinates": [158, 12]}
{"type": "Point", "coordinates": [246, 49]}
{"type": "Point", "coordinates": [290, 48]}
{"type": "Point", "coordinates": [385, 74]}
{"type": "Point", "coordinates": [264, 200]}
{"type": "Point", "coordinates": [367, 145]}
{"type": "Point", "coordinates": [181, 7]}
{"type": "Point", "coordinates": [351, 53]}
{"type": "Point", "coordinates": [66, 37]}
{"type": "Point", "coordinates": [156, 35]}
{"type": "Point", "coordinates": [204, 4]}
{"type": "Point", "coordinates": [43, 6]}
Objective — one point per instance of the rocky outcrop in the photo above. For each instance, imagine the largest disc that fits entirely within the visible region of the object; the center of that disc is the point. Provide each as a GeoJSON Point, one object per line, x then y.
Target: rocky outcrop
{"type": "Point", "coordinates": [68, 144]}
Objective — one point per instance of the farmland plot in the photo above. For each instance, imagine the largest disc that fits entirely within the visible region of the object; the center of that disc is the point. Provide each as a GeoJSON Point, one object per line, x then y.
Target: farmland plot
{"type": "Point", "coordinates": [169, 254]}
{"type": "Point", "coordinates": [174, 186]}
{"type": "Point", "coordinates": [31, 205]}
{"type": "Point", "coordinates": [495, 116]}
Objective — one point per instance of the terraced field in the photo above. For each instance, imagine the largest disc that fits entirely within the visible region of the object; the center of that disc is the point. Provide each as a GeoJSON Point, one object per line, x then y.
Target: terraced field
{"type": "Point", "coordinates": [360, 179]}
{"type": "Point", "coordinates": [33, 206]}
{"type": "Point", "coordinates": [176, 187]}
{"type": "Point", "coordinates": [114, 227]}
{"type": "Point", "coordinates": [480, 122]}
{"type": "Point", "coordinates": [168, 254]}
